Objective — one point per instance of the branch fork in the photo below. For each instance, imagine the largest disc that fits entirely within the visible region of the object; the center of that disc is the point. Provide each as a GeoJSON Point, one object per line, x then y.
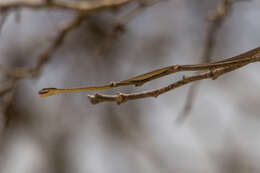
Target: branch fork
{"type": "Point", "coordinates": [210, 71]}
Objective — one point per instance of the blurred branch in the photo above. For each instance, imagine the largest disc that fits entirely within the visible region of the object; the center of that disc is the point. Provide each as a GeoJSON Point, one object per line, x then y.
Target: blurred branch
{"type": "Point", "coordinates": [118, 26]}
{"type": "Point", "coordinates": [78, 6]}
{"type": "Point", "coordinates": [46, 54]}
{"type": "Point", "coordinates": [215, 21]}
{"type": "Point", "coordinates": [16, 74]}
{"type": "Point", "coordinates": [6, 95]}
{"type": "Point", "coordinates": [86, 7]}
{"type": "Point", "coordinates": [82, 8]}
{"type": "Point", "coordinates": [7, 87]}
{"type": "Point", "coordinates": [4, 15]}
{"type": "Point", "coordinates": [214, 70]}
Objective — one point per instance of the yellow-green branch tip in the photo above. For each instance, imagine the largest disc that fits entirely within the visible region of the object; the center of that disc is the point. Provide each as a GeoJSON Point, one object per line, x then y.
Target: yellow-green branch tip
{"type": "Point", "coordinates": [45, 92]}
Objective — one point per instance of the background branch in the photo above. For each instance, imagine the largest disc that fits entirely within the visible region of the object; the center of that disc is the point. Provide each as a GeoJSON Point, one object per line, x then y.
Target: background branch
{"type": "Point", "coordinates": [215, 20]}
{"type": "Point", "coordinates": [78, 6]}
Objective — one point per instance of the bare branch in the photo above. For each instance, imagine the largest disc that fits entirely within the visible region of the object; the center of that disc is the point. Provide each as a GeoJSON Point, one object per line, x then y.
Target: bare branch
{"type": "Point", "coordinates": [217, 68]}
{"type": "Point", "coordinates": [122, 97]}
{"type": "Point", "coordinates": [79, 6]}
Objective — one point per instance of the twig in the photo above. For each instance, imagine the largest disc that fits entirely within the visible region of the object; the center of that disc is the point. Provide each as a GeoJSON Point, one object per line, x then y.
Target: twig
{"type": "Point", "coordinates": [141, 79]}
{"type": "Point", "coordinates": [217, 68]}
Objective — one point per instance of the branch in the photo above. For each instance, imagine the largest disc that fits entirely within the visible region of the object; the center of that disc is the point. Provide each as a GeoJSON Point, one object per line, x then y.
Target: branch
{"type": "Point", "coordinates": [122, 97]}
{"type": "Point", "coordinates": [4, 14]}
{"type": "Point", "coordinates": [214, 70]}
{"type": "Point", "coordinates": [79, 6]}
{"type": "Point", "coordinates": [45, 56]}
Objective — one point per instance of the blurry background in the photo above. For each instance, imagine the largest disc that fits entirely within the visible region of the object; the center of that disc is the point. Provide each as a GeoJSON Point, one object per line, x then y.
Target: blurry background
{"type": "Point", "coordinates": [65, 133]}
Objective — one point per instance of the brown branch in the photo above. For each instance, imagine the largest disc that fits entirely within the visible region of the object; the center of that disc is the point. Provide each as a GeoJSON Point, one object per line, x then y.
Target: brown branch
{"type": "Point", "coordinates": [83, 9]}
{"type": "Point", "coordinates": [215, 68]}
{"type": "Point", "coordinates": [78, 6]}
{"type": "Point", "coordinates": [141, 79]}
{"type": "Point", "coordinates": [122, 97]}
